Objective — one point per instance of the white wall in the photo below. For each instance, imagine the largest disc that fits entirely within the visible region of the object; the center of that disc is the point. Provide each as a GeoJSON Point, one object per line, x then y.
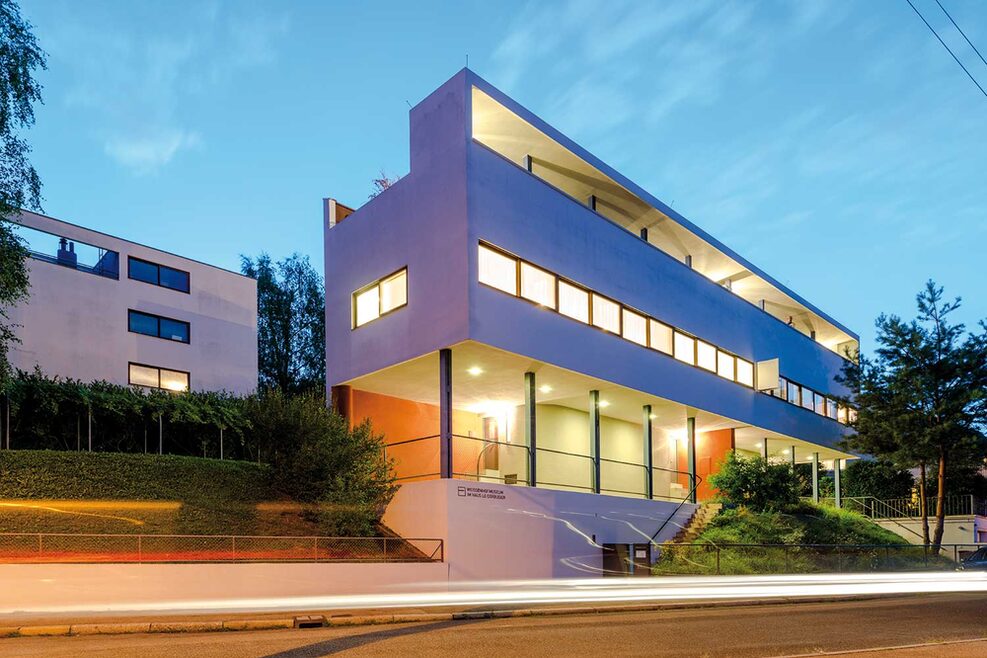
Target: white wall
{"type": "Point", "coordinates": [74, 323]}
{"type": "Point", "coordinates": [38, 588]}
{"type": "Point", "coordinates": [495, 531]}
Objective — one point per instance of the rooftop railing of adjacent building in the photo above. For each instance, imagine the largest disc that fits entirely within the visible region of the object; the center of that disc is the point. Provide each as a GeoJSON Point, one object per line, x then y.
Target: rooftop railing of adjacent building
{"type": "Point", "coordinates": [59, 250]}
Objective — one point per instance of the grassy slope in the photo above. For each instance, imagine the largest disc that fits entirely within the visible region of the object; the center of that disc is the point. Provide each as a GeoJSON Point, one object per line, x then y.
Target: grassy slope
{"type": "Point", "coordinates": [207, 496]}
{"type": "Point", "coordinates": [807, 524]}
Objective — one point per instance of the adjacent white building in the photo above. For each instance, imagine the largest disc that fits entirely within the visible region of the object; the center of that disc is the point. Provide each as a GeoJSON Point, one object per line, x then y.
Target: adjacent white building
{"type": "Point", "coordinates": [105, 308]}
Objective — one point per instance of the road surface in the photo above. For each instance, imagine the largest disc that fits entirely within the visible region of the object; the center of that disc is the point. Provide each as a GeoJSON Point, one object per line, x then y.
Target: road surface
{"type": "Point", "coordinates": [940, 625]}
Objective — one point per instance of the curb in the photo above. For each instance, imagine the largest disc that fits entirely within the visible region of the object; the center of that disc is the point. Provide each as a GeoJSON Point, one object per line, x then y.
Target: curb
{"type": "Point", "coordinates": [207, 626]}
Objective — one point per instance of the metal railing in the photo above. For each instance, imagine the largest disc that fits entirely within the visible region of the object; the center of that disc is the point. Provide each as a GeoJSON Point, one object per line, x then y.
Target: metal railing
{"type": "Point", "coordinates": [709, 558]}
{"type": "Point", "coordinates": [909, 508]}
{"type": "Point", "coordinates": [468, 464]}
{"type": "Point", "coordinates": [141, 549]}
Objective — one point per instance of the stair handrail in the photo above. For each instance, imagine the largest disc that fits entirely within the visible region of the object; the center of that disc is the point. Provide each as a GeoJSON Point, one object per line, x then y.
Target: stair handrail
{"type": "Point", "coordinates": [695, 487]}
{"type": "Point", "coordinates": [872, 500]}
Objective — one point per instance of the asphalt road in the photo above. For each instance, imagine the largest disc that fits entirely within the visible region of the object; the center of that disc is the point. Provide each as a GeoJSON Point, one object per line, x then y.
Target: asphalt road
{"type": "Point", "coordinates": [942, 625]}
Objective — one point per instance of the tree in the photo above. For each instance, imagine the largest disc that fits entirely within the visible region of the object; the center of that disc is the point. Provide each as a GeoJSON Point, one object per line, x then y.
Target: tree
{"type": "Point", "coordinates": [921, 399]}
{"type": "Point", "coordinates": [291, 326]}
{"type": "Point", "coordinates": [20, 186]}
{"type": "Point", "coordinates": [878, 478]}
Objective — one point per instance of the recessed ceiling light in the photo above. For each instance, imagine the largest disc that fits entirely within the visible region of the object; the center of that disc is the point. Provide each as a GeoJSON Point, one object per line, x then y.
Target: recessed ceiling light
{"type": "Point", "coordinates": [475, 371]}
{"type": "Point", "coordinates": [545, 388]}
{"type": "Point", "coordinates": [785, 452]}
{"type": "Point", "coordinates": [604, 404]}
{"type": "Point", "coordinates": [652, 416]}
{"type": "Point", "coordinates": [757, 445]}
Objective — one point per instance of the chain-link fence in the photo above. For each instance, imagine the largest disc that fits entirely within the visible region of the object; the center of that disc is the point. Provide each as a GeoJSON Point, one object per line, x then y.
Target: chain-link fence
{"type": "Point", "coordinates": [83, 548]}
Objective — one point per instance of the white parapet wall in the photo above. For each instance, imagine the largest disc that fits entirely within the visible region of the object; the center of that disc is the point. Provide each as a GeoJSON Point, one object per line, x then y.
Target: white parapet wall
{"type": "Point", "coordinates": [495, 531]}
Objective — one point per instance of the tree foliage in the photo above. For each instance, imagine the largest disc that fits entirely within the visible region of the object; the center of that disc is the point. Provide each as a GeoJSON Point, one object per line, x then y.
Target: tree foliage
{"type": "Point", "coordinates": [756, 484]}
{"type": "Point", "coordinates": [878, 478]}
{"type": "Point", "coordinates": [20, 186]}
{"type": "Point", "coordinates": [291, 326]}
{"type": "Point", "coordinates": [921, 398]}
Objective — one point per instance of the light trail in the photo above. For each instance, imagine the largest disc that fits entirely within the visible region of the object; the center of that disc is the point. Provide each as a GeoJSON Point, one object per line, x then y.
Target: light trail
{"type": "Point", "coordinates": [505, 594]}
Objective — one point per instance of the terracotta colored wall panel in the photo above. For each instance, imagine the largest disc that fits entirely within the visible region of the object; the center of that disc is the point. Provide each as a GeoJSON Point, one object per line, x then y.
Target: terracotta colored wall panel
{"type": "Point", "coordinates": [711, 450]}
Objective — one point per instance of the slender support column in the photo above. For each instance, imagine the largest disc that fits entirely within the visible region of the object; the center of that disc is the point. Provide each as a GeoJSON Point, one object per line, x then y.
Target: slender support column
{"type": "Point", "coordinates": [815, 477]}
{"type": "Point", "coordinates": [837, 485]}
{"type": "Point", "coordinates": [445, 413]}
{"type": "Point", "coordinates": [792, 455]}
{"type": "Point", "coordinates": [764, 448]}
{"type": "Point", "coordinates": [649, 477]}
{"type": "Point", "coordinates": [690, 447]}
{"type": "Point", "coordinates": [529, 428]}
{"type": "Point", "coordinates": [594, 436]}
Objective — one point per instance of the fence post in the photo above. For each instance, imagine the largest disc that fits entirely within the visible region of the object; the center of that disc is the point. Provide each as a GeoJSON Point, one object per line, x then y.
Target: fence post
{"type": "Point", "coordinates": [140, 550]}
{"type": "Point", "coordinates": [788, 560]}
{"type": "Point", "coordinates": [315, 548]}
{"type": "Point", "coordinates": [233, 539]}
{"type": "Point", "coordinates": [717, 560]}
{"type": "Point", "coordinates": [385, 549]}
{"type": "Point", "coordinates": [39, 545]}
{"type": "Point", "coordinates": [926, 551]}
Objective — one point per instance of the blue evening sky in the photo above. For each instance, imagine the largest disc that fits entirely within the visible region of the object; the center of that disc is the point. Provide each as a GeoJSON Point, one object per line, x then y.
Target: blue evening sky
{"type": "Point", "coordinates": [835, 144]}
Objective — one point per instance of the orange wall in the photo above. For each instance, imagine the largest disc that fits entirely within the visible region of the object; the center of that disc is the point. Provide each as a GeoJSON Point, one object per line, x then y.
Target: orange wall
{"type": "Point", "coordinates": [711, 450]}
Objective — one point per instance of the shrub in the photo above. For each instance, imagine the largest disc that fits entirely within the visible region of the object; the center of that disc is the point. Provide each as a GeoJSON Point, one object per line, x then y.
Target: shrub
{"type": "Point", "coordinates": [756, 484]}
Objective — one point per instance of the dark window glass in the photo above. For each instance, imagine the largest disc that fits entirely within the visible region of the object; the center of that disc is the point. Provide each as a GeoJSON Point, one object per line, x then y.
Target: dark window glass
{"type": "Point", "coordinates": [174, 330]}
{"type": "Point", "coordinates": [174, 279]}
{"type": "Point", "coordinates": [143, 323]}
{"type": "Point", "coordinates": [143, 271]}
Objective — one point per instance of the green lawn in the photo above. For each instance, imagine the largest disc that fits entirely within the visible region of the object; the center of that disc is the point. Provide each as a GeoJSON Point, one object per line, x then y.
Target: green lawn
{"type": "Point", "coordinates": [48, 491]}
{"type": "Point", "coordinates": [716, 550]}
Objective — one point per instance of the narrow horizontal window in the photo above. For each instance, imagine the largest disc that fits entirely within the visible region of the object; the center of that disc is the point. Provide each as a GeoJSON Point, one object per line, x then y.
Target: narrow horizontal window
{"type": "Point", "coordinates": [745, 372]}
{"type": "Point", "coordinates": [154, 377]}
{"type": "Point", "coordinates": [726, 365]}
{"type": "Point", "coordinates": [139, 269]}
{"type": "Point", "coordinates": [573, 302]}
{"type": "Point", "coordinates": [606, 314]}
{"type": "Point", "coordinates": [660, 337]}
{"type": "Point", "coordinates": [498, 270]}
{"type": "Point", "coordinates": [635, 327]}
{"type": "Point", "coordinates": [155, 325]}
{"type": "Point", "coordinates": [537, 285]}
{"type": "Point", "coordinates": [685, 348]}
{"type": "Point", "coordinates": [394, 292]}
{"type": "Point", "coordinates": [705, 356]}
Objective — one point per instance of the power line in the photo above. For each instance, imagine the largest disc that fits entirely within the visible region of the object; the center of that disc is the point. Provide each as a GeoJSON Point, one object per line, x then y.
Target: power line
{"type": "Point", "coordinates": [931, 29]}
{"type": "Point", "coordinates": [960, 30]}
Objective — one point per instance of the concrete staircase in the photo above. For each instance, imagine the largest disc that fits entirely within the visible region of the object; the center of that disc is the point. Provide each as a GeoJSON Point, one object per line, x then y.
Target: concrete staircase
{"type": "Point", "coordinates": [696, 524]}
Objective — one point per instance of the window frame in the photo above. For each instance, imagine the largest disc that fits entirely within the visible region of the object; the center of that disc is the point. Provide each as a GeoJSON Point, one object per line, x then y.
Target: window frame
{"type": "Point", "coordinates": [188, 377]}
{"type": "Point", "coordinates": [509, 256]}
{"type": "Point", "coordinates": [157, 269]}
{"type": "Point", "coordinates": [521, 264]}
{"type": "Point", "coordinates": [376, 284]}
{"type": "Point", "coordinates": [619, 331]}
{"type": "Point", "coordinates": [158, 319]}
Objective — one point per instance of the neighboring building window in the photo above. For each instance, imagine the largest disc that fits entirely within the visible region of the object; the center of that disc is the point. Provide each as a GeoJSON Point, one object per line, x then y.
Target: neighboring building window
{"type": "Point", "coordinates": [660, 337]}
{"type": "Point", "coordinates": [158, 275]}
{"type": "Point", "coordinates": [158, 326]}
{"type": "Point", "coordinates": [685, 348]}
{"type": "Point", "coordinates": [635, 327]}
{"type": "Point", "coordinates": [573, 302]}
{"type": "Point", "coordinates": [705, 356]}
{"type": "Point", "coordinates": [537, 285]}
{"type": "Point", "coordinates": [154, 377]}
{"type": "Point", "coordinates": [726, 365]}
{"type": "Point", "coordinates": [380, 298]}
{"type": "Point", "coordinates": [606, 314]}
{"type": "Point", "coordinates": [498, 270]}
{"type": "Point", "coordinates": [745, 372]}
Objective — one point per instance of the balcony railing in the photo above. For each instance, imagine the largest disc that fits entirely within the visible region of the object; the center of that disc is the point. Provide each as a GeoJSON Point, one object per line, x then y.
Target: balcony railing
{"type": "Point", "coordinates": [487, 460]}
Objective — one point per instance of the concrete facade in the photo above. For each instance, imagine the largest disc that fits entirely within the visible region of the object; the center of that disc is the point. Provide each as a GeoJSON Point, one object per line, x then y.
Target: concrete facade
{"type": "Point", "coordinates": [75, 322]}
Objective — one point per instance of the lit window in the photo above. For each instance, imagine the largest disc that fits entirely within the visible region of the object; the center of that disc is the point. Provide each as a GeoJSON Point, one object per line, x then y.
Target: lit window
{"type": "Point", "coordinates": [725, 365]}
{"type": "Point", "coordinates": [820, 407]}
{"type": "Point", "coordinates": [537, 285]}
{"type": "Point", "coordinates": [635, 327]}
{"type": "Point", "coordinates": [794, 391]}
{"type": "Point", "coordinates": [606, 314]}
{"type": "Point", "coordinates": [745, 372]}
{"type": "Point", "coordinates": [498, 270]}
{"type": "Point", "coordinates": [851, 415]}
{"type": "Point", "coordinates": [685, 348]}
{"type": "Point", "coordinates": [807, 398]}
{"type": "Point", "coordinates": [573, 302]}
{"type": "Point", "coordinates": [841, 414]}
{"type": "Point", "coordinates": [831, 408]}
{"type": "Point", "coordinates": [151, 377]}
{"type": "Point", "coordinates": [661, 337]}
{"type": "Point", "coordinates": [143, 376]}
{"type": "Point", "coordinates": [367, 305]}
{"type": "Point", "coordinates": [394, 292]}
{"type": "Point", "coordinates": [705, 356]}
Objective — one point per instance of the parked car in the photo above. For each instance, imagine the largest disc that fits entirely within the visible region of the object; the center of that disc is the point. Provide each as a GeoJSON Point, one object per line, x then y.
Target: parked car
{"type": "Point", "coordinates": [976, 560]}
